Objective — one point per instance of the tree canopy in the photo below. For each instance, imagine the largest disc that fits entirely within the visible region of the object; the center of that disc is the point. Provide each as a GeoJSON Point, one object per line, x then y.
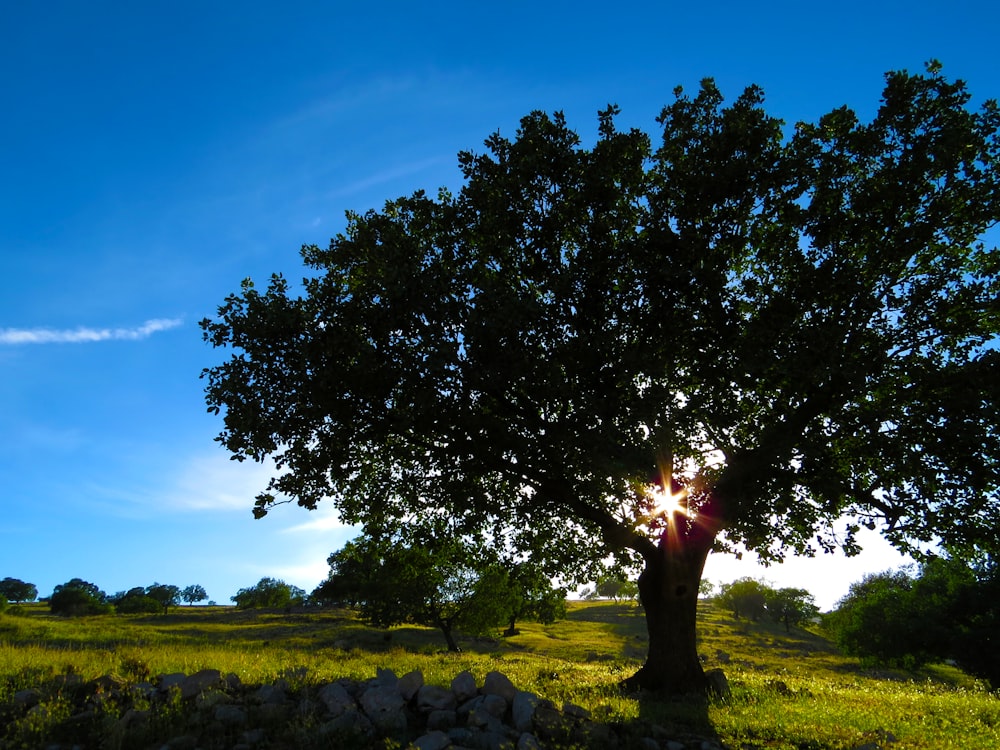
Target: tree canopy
{"type": "Point", "coordinates": [778, 327]}
{"type": "Point", "coordinates": [16, 590]}
{"type": "Point", "coordinates": [268, 593]}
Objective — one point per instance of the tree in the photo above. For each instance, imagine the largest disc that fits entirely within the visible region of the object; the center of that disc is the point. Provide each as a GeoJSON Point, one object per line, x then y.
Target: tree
{"type": "Point", "coordinates": [776, 328]}
{"type": "Point", "coordinates": [745, 597]}
{"type": "Point", "coordinates": [442, 584]}
{"type": "Point", "coordinates": [533, 596]}
{"type": "Point", "coordinates": [790, 606]}
{"type": "Point", "coordinates": [165, 595]}
{"type": "Point", "coordinates": [193, 594]}
{"type": "Point", "coordinates": [77, 598]}
{"type": "Point", "coordinates": [269, 593]}
{"type": "Point", "coordinates": [135, 601]}
{"type": "Point", "coordinates": [18, 591]}
{"type": "Point", "coordinates": [948, 610]}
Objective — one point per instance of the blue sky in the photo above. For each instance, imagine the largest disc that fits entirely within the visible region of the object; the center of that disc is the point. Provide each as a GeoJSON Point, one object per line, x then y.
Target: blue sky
{"type": "Point", "coordinates": [154, 154]}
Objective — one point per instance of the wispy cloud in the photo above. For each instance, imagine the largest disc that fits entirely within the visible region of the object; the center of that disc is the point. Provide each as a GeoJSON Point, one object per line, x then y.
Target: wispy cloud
{"type": "Point", "coordinates": [82, 335]}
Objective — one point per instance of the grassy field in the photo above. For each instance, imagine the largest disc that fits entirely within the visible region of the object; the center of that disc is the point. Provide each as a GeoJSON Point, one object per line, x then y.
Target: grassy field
{"type": "Point", "coordinates": [789, 690]}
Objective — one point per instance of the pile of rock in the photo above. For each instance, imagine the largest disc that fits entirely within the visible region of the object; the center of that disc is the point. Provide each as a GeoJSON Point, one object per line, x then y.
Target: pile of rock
{"type": "Point", "coordinates": [210, 710]}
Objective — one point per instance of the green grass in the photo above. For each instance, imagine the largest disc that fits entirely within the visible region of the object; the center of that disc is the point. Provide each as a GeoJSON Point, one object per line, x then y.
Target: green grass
{"type": "Point", "coordinates": [790, 690]}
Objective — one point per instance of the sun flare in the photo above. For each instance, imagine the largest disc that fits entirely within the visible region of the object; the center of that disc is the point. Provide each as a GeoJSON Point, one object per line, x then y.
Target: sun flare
{"type": "Point", "coordinates": [667, 503]}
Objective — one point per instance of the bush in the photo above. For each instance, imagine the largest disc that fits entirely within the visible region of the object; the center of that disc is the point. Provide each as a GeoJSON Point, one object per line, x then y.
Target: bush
{"type": "Point", "coordinates": [269, 593]}
{"type": "Point", "coordinates": [131, 605]}
{"type": "Point", "coordinates": [77, 598]}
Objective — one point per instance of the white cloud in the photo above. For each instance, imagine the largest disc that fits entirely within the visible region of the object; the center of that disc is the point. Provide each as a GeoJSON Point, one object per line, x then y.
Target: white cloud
{"type": "Point", "coordinates": [81, 335]}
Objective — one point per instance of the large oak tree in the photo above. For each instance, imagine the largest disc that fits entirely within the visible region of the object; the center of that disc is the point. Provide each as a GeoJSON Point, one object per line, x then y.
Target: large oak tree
{"type": "Point", "coordinates": [779, 326]}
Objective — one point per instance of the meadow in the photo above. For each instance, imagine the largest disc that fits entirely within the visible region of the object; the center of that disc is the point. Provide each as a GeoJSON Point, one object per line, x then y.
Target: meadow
{"type": "Point", "coordinates": [789, 690]}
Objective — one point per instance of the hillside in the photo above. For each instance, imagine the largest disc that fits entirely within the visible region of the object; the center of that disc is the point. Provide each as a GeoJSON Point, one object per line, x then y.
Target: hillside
{"type": "Point", "coordinates": [789, 690]}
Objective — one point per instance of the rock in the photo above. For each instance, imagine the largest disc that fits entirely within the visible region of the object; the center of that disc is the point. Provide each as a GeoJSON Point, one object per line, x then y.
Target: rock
{"type": "Point", "coordinates": [432, 741]}
{"type": "Point", "coordinates": [230, 715]}
{"type": "Point", "coordinates": [433, 698]}
{"type": "Point", "coordinates": [495, 705]}
{"type": "Point", "coordinates": [528, 741]}
{"type": "Point", "coordinates": [167, 681]}
{"type": "Point", "coordinates": [718, 685]}
{"type": "Point", "coordinates": [523, 710]}
{"type": "Point", "coordinates": [410, 683]}
{"type": "Point", "coordinates": [386, 677]}
{"type": "Point", "coordinates": [497, 683]}
{"type": "Point", "coordinates": [577, 712]}
{"type": "Point", "coordinates": [336, 698]}
{"type": "Point", "coordinates": [272, 694]}
{"type": "Point", "coordinates": [464, 687]}
{"type": "Point", "coordinates": [206, 679]}
{"type": "Point", "coordinates": [383, 705]}
{"type": "Point", "coordinates": [443, 720]}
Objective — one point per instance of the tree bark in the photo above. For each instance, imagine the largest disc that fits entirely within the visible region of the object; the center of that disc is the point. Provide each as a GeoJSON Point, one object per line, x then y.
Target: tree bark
{"type": "Point", "coordinates": [668, 590]}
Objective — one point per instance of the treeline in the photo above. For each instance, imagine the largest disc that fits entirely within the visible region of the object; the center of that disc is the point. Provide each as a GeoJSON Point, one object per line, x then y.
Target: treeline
{"type": "Point", "coordinates": [947, 609]}
{"type": "Point", "coordinates": [78, 597]}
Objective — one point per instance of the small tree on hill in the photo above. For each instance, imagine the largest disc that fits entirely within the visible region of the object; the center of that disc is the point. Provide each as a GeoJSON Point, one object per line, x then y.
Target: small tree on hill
{"type": "Point", "coordinates": [165, 595]}
{"type": "Point", "coordinates": [76, 598]}
{"type": "Point", "coordinates": [745, 597]}
{"type": "Point", "coordinates": [18, 591]}
{"type": "Point", "coordinates": [193, 594]}
{"type": "Point", "coordinates": [533, 596]}
{"type": "Point", "coordinates": [269, 593]}
{"type": "Point", "coordinates": [135, 601]}
{"type": "Point", "coordinates": [790, 606]}
{"type": "Point", "coordinates": [446, 585]}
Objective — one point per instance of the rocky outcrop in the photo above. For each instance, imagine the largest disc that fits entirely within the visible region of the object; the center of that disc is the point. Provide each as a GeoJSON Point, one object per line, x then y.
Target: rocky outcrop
{"type": "Point", "coordinates": [210, 710]}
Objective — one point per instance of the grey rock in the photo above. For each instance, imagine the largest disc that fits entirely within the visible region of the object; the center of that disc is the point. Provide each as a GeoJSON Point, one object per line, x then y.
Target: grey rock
{"type": "Point", "coordinates": [270, 694]}
{"type": "Point", "coordinates": [410, 683]}
{"type": "Point", "coordinates": [577, 712]}
{"type": "Point", "coordinates": [336, 698]}
{"type": "Point", "coordinates": [435, 698]}
{"type": "Point", "coordinates": [383, 705]}
{"type": "Point", "coordinates": [432, 741]}
{"type": "Point", "coordinates": [528, 741]}
{"type": "Point", "coordinates": [497, 683]}
{"type": "Point", "coordinates": [199, 682]}
{"type": "Point", "coordinates": [495, 705]}
{"type": "Point", "coordinates": [718, 685]}
{"type": "Point", "coordinates": [172, 680]}
{"type": "Point", "coordinates": [464, 686]}
{"type": "Point", "coordinates": [230, 715]}
{"type": "Point", "coordinates": [648, 743]}
{"type": "Point", "coordinates": [443, 720]}
{"type": "Point", "coordinates": [386, 677]}
{"type": "Point", "coordinates": [523, 710]}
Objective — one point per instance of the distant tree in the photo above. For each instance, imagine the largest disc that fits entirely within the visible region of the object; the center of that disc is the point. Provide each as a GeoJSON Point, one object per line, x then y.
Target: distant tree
{"type": "Point", "coordinates": [446, 585]}
{"type": "Point", "coordinates": [779, 324]}
{"type": "Point", "coordinates": [706, 588]}
{"type": "Point", "coordinates": [166, 595]}
{"type": "Point", "coordinates": [790, 606]}
{"type": "Point", "coordinates": [947, 609]}
{"type": "Point", "coordinates": [194, 593]}
{"type": "Point", "coordinates": [533, 596]}
{"type": "Point", "coordinates": [617, 588]}
{"type": "Point", "coordinates": [136, 602]}
{"type": "Point", "coordinates": [880, 620]}
{"type": "Point", "coordinates": [269, 593]}
{"type": "Point", "coordinates": [18, 591]}
{"type": "Point", "coordinates": [744, 597]}
{"type": "Point", "coordinates": [76, 598]}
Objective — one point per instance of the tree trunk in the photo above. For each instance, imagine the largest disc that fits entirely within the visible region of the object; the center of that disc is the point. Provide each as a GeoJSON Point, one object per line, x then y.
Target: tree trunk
{"type": "Point", "coordinates": [449, 637]}
{"type": "Point", "coordinates": [668, 590]}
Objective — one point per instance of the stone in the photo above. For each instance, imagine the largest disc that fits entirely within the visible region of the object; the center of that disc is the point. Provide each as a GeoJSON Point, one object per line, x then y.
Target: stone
{"type": "Point", "coordinates": [443, 720]}
{"type": "Point", "coordinates": [206, 679]}
{"type": "Point", "coordinates": [497, 683]}
{"type": "Point", "coordinates": [549, 724]}
{"type": "Point", "coordinates": [495, 705]}
{"type": "Point", "coordinates": [383, 705]}
{"type": "Point", "coordinates": [386, 677]}
{"type": "Point", "coordinates": [464, 687]}
{"type": "Point", "coordinates": [271, 694]}
{"type": "Point", "coordinates": [336, 698]}
{"type": "Point", "coordinates": [577, 712]}
{"type": "Point", "coordinates": [434, 698]}
{"type": "Point", "coordinates": [528, 741]}
{"type": "Point", "coordinates": [351, 722]}
{"type": "Point", "coordinates": [230, 715]}
{"type": "Point", "coordinates": [522, 710]}
{"type": "Point", "coordinates": [172, 680]}
{"type": "Point", "coordinates": [432, 741]}
{"type": "Point", "coordinates": [718, 685]}
{"type": "Point", "coordinates": [410, 683]}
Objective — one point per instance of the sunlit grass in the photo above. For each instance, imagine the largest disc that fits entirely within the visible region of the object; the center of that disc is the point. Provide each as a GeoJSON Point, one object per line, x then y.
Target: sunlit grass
{"type": "Point", "coordinates": [789, 690]}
